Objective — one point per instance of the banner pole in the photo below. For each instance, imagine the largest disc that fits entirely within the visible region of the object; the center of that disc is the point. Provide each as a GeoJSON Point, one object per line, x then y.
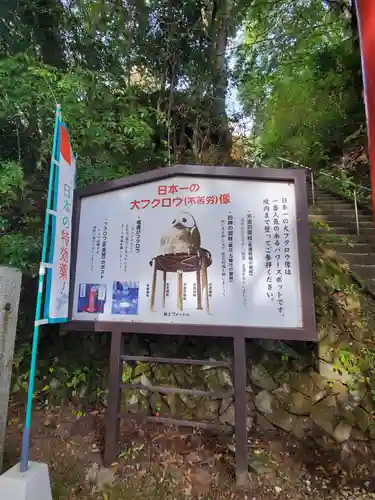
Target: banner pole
{"type": "Point", "coordinates": [38, 321]}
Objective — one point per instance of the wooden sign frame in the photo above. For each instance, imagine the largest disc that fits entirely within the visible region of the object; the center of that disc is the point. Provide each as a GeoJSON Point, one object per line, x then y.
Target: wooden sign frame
{"type": "Point", "coordinates": [308, 330]}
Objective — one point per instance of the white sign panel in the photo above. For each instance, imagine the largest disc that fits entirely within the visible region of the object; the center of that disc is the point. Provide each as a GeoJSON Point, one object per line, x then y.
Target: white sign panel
{"type": "Point", "coordinates": [57, 293]}
{"type": "Point", "coordinates": [190, 250]}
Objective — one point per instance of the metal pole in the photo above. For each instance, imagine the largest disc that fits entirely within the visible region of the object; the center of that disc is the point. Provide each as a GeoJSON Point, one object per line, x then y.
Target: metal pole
{"type": "Point", "coordinates": [356, 210]}
{"type": "Point", "coordinates": [312, 187]}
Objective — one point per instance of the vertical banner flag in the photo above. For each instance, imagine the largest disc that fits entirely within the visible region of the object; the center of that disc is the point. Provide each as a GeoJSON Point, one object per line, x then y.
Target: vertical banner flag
{"type": "Point", "coordinates": [366, 24]}
{"type": "Point", "coordinates": [57, 262]}
{"type": "Point", "coordinates": [57, 291]}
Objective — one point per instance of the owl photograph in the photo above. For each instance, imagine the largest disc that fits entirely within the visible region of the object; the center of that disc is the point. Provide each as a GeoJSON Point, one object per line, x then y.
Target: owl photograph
{"type": "Point", "coordinates": [180, 252]}
{"type": "Point", "coordinates": [183, 236]}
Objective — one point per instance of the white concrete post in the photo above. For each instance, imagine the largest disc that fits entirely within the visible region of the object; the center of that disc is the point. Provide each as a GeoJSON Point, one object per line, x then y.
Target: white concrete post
{"type": "Point", "coordinates": [10, 289]}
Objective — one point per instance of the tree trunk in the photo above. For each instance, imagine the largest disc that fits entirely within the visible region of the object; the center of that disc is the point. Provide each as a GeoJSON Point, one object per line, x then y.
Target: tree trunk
{"type": "Point", "coordinates": [356, 48]}
{"type": "Point", "coordinates": [45, 19]}
{"type": "Point", "coordinates": [219, 30]}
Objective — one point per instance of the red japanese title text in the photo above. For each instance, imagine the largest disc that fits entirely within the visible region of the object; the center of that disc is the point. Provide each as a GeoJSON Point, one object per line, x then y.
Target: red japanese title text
{"type": "Point", "coordinates": [177, 201]}
{"type": "Point", "coordinates": [65, 233]}
{"type": "Point", "coordinates": [64, 254]}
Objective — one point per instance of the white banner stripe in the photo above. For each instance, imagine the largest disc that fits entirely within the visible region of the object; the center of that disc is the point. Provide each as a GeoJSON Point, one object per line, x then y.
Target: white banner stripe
{"type": "Point", "coordinates": [45, 264]}
{"type": "Point", "coordinates": [41, 322]}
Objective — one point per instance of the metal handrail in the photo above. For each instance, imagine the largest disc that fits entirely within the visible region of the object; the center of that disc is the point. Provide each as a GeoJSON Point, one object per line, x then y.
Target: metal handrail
{"type": "Point", "coordinates": [293, 163]}
{"type": "Point", "coordinates": [356, 186]}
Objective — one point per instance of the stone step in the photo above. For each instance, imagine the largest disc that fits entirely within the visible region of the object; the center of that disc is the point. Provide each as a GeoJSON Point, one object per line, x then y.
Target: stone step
{"type": "Point", "coordinates": [339, 215]}
{"type": "Point", "coordinates": [334, 209]}
{"type": "Point", "coordinates": [361, 259]}
{"type": "Point", "coordinates": [334, 203]}
{"type": "Point", "coordinates": [366, 272]}
{"type": "Point", "coordinates": [359, 248]}
{"type": "Point", "coordinates": [338, 210]}
{"type": "Point", "coordinates": [323, 194]}
{"type": "Point", "coordinates": [371, 285]}
{"type": "Point", "coordinates": [348, 238]}
{"type": "Point", "coordinates": [319, 201]}
{"type": "Point", "coordinates": [351, 229]}
{"type": "Point", "coordinates": [333, 241]}
{"type": "Point", "coordinates": [326, 198]}
{"type": "Point", "coordinates": [318, 190]}
{"type": "Point", "coordinates": [333, 199]}
{"type": "Point", "coordinates": [334, 218]}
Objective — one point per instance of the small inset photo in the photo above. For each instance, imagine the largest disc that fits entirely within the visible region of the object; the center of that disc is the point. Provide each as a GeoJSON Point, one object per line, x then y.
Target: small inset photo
{"type": "Point", "coordinates": [91, 298]}
{"type": "Point", "coordinates": [125, 297]}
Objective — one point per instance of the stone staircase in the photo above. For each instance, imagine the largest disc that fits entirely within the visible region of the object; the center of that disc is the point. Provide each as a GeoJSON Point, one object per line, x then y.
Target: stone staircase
{"type": "Point", "coordinates": [339, 215]}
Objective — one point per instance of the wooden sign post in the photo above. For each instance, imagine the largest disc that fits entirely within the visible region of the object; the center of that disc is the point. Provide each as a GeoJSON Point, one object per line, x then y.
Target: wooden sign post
{"type": "Point", "coordinates": [255, 281]}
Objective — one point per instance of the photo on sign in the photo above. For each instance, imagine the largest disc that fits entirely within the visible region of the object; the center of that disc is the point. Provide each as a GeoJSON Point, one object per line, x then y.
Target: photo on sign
{"type": "Point", "coordinates": [181, 252]}
{"type": "Point", "coordinates": [125, 297]}
{"type": "Point", "coordinates": [92, 298]}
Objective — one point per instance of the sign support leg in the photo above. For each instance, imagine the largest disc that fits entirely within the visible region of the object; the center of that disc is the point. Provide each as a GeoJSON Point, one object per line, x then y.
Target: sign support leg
{"type": "Point", "coordinates": [239, 371]}
{"type": "Point", "coordinates": [153, 288]}
{"type": "Point", "coordinates": [112, 421]}
{"type": "Point", "coordinates": [205, 287]}
{"type": "Point", "coordinates": [164, 287]}
{"type": "Point", "coordinates": [199, 290]}
{"type": "Point", "coordinates": [179, 290]}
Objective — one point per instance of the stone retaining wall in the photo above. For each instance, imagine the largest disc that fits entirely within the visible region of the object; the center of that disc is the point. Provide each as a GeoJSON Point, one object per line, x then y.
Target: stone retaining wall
{"type": "Point", "coordinates": [285, 388]}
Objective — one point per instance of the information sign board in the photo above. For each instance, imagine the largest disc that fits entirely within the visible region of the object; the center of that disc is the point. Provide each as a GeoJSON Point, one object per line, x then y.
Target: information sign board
{"type": "Point", "coordinates": [215, 247]}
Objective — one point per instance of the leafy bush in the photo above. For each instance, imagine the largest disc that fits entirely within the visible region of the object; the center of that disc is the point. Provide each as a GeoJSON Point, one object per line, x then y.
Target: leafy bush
{"type": "Point", "coordinates": [111, 133]}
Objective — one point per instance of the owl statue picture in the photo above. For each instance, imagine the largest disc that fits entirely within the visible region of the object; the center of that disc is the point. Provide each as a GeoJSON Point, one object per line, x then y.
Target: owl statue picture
{"type": "Point", "coordinates": [182, 237]}
{"type": "Point", "coordinates": [181, 252]}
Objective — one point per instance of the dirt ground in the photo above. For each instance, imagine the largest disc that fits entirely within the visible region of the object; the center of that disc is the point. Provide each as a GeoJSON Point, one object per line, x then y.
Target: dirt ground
{"type": "Point", "coordinates": [170, 464]}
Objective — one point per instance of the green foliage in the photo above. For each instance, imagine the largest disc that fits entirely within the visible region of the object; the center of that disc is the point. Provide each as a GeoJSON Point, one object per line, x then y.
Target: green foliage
{"type": "Point", "coordinates": [17, 248]}
{"type": "Point", "coordinates": [111, 133]}
{"type": "Point", "coordinates": [341, 317]}
{"type": "Point", "coordinates": [70, 376]}
{"type": "Point", "coordinates": [329, 275]}
{"type": "Point", "coordinates": [345, 186]}
{"type": "Point", "coordinates": [342, 185]}
{"type": "Point", "coordinates": [11, 184]}
{"type": "Point", "coordinates": [349, 362]}
{"type": "Point", "coordinates": [20, 250]}
{"type": "Point", "coordinates": [298, 69]}
{"type": "Point", "coordinates": [11, 179]}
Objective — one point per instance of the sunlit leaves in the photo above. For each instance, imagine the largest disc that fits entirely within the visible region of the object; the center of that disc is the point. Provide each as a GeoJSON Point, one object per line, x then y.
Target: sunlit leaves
{"type": "Point", "coordinates": [296, 72]}
{"type": "Point", "coordinates": [110, 131]}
